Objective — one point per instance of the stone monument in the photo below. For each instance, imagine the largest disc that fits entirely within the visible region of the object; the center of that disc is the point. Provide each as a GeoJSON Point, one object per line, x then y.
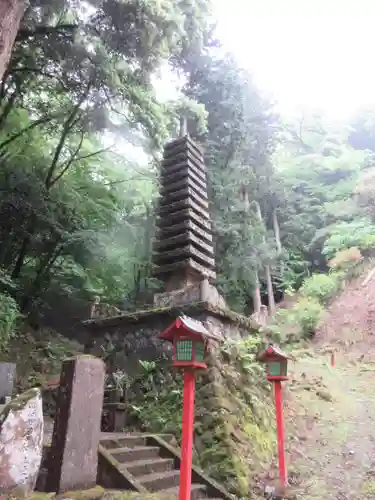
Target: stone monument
{"type": "Point", "coordinates": [73, 459]}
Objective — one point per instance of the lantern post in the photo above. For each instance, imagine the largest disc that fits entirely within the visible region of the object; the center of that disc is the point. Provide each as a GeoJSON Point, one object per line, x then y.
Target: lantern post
{"type": "Point", "coordinates": [276, 368]}
{"type": "Point", "coordinates": [189, 338]}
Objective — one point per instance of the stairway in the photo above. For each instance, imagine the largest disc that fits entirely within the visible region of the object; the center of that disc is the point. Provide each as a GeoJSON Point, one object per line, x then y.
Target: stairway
{"type": "Point", "coordinates": [148, 463]}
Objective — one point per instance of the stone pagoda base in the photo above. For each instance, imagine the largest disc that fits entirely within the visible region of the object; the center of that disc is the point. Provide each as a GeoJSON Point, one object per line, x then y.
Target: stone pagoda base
{"type": "Point", "coordinates": [198, 292]}
{"type": "Point", "coordinates": [134, 336]}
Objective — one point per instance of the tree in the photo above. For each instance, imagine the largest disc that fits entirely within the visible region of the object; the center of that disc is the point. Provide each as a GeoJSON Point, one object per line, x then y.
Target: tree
{"type": "Point", "coordinates": [239, 144]}
{"type": "Point", "coordinates": [70, 222]}
{"type": "Point", "coordinates": [11, 12]}
{"type": "Point", "coordinates": [319, 171]}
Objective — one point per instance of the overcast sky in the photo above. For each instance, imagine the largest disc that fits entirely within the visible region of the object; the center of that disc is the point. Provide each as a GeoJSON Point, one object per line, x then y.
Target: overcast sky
{"type": "Point", "coordinates": [309, 54]}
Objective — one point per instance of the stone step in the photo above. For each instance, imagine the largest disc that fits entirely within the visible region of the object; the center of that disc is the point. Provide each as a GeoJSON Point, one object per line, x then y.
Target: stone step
{"type": "Point", "coordinates": [197, 491]}
{"type": "Point", "coordinates": [149, 466]}
{"type": "Point", "coordinates": [160, 480]}
{"type": "Point", "coordinates": [125, 442]}
{"type": "Point", "coordinates": [123, 455]}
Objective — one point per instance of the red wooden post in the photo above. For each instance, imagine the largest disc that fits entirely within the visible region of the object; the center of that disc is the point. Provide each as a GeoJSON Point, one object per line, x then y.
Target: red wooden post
{"type": "Point", "coordinates": [190, 339]}
{"type": "Point", "coordinates": [280, 432]}
{"type": "Point", "coordinates": [277, 371]}
{"type": "Point", "coordinates": [187, 435]}
{"type": "Point", "coordinates": [332, 359]}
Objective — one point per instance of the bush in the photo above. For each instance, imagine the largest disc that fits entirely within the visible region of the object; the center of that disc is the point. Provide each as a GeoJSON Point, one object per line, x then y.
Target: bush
{"type": "Point", "coordinates": [307, 312]}
{"type": "Point", "coordinates": [346, 259]}
{"type": "Point", "coordinates": [321, 287]}
{"type": "Point", "coordinates": [9, 314]}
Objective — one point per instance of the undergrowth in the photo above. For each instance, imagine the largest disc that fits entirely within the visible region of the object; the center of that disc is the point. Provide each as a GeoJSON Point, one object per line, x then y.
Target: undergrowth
{"type": "Point", "coordinates": [234, 420]}
{"type": "Point", "coordinates": [9, 316]}
{"type": "Point", "coordinates": [38, 355]}
{"type": "Point", "coordinates": [301, 320]}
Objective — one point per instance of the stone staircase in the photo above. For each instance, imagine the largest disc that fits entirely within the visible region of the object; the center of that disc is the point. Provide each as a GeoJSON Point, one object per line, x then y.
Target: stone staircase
{"type": "Point", "coordinates": [149, 463]}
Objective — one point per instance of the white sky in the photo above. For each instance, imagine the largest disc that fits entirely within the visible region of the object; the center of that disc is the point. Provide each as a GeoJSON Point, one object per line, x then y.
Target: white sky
{"type": "Point", "coordinates": [309, 54]}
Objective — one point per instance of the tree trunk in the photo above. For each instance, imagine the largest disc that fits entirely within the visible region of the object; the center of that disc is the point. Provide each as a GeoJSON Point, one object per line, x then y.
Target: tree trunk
{"type": "Point", "coordinates": [276, 230]}
{"type": "Point", "coordinates": [11, 12]}
{"type": "Point", "coordinates": [21, 257]}
{"type": "Point", "coordinates": [256, 296]}
{"type": "Point", "coordinates": [257, 299]}
{"type": "Point", "coordinates": [271, 296]}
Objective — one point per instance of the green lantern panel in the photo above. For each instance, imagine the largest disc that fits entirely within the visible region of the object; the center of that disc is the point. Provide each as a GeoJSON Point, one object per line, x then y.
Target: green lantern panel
{"type": "Point", "coordinates": [184, 350]}
{"type": "Point", "coordinates": [199, 352]}
{"type": "Point", "coordinates": [275, 369]}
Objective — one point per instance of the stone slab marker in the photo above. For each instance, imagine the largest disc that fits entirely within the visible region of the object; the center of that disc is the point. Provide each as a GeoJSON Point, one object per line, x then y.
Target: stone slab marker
{"type": "Point", "coordinates": [74, 452]}
{"type": "Point", "coordinates": [7, 379]}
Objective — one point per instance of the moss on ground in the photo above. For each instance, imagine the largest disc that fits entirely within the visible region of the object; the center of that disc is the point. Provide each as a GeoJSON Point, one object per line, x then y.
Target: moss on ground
{"type": "Point", "coordinates": [234, 424]}
{"type": "Point", "coordinates": [97, 493]}
{"type": "Point", "coordinates": [38, 356]}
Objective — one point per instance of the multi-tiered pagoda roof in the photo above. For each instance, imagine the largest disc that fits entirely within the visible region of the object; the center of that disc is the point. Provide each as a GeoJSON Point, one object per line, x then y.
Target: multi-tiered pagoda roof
{"type": "Point", "coordinates": [184, 236]}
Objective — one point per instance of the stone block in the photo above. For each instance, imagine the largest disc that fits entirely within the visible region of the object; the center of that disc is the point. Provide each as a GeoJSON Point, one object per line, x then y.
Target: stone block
{"type": "Point", "coordinates": [76, 433]}
{"type": "Point", "coordinates": [21, 443]}
{"type": "Point", "coordinates": [8, 375]}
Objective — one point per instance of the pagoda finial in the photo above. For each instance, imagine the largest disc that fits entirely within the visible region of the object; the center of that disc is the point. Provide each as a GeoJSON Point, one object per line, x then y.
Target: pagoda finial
{"type": "Point", "coordinates": [183, 126]}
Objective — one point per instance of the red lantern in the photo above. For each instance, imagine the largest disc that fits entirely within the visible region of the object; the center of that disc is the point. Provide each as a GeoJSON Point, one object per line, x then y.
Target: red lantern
{"type": "Point", "coordinates": [277, 371]}
{"type": "Point", "coordinates": [276, 363]}
{"type": "Point", "coordinates": [190, 339]}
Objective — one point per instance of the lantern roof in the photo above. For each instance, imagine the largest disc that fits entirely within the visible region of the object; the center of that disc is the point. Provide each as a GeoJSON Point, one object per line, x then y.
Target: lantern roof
{"type": "Point", "coordinates": [187, 325]}
{"type": "Point", "coordinates": [272, 352]}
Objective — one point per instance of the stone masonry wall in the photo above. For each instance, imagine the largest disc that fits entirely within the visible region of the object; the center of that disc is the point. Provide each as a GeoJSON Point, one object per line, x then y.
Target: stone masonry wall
{"type": "Point", "coordinates": [133, 341]}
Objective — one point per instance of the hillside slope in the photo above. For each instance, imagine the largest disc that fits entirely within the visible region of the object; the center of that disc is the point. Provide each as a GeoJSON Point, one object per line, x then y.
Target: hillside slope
{"type": "Point", "coordinates": [349, 323]}
{"type": "Point", "coordinates": [329, 410]}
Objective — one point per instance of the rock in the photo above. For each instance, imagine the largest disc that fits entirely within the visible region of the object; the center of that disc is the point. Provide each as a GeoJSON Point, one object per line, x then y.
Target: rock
{"type": "Point", "coordinates": [326, 396]}
{"type": "Point", "coordinates": [269, 491]}
{"type": "Point", "coordinates": [21, 442]}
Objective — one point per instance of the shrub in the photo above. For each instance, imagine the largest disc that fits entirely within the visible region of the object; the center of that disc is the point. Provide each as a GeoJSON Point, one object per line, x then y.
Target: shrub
{"type": "Point", "coordinates": [307, 312]}
{"type": "Point", "coordinates": [367, 242]}
{"type": "Point", "coordinates": [9, 314]}
{"type": "Point", "coordinates": [321, 286]}
{"type": "Point", "coordinates": [346, 259]}
{"type": "Point", "coordinates": [344, 235]}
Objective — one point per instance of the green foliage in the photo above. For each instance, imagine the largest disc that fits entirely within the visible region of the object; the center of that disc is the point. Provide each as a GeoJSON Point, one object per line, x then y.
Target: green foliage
{"type": "Point", "coordinates": [240, 138]}
{"type": "Point", "coordinates": [346, 259]}
{"type": "Point", "coordinates": [321, 287]}
{"type": "Point", "coordinates": [307, 313]}
{"type": "Point", "coordinates": [297, 322]}
{"type": "Point", "coordinates": [344, 235]}
{"type": "Point", "coordinates": [77, 216]}
{"type": "Point", "coordinates": [9, 315]}
{"type": "Point", "coordinates": [319, 173]}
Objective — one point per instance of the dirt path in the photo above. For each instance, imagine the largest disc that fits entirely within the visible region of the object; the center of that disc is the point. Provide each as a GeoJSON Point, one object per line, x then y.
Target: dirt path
{"type": "Point", "coordinates": [330, 421]}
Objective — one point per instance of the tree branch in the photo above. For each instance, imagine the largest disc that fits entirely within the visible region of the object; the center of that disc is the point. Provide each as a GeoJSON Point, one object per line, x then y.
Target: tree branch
{"type": "Point", "coordinates": [26, 129]}
{"type": "Point", "coordinates": [69, 162]}
{"type": "Point", "coordinates": [40, 72]}
{"type": "Point", "coordinates": [24, 34]}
